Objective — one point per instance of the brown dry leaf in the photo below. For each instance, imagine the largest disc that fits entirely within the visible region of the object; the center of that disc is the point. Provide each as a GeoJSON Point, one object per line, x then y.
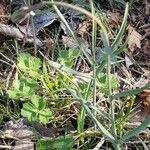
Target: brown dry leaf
{"type": "Point", "coordinates": [114, 18]}
{"type": "Point", "coordinates": [142, 81]}
{"type": "Point", "coordinates": [134, 38]}
{"type": "Point", "coordinates": [144, 100]}
{"type": "Point", "coordinates": [3, 17]}
{"type": "Point", "coordinates": [2, 9]}
{"type": "Point", "coordinates": [71, 43]}
{"type": "Point", "coordinates": [84, 28]}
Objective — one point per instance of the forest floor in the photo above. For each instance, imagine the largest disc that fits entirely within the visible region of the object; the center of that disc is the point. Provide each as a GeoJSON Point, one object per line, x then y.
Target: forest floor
{"type": "Point", "coordinates": [71, 79]}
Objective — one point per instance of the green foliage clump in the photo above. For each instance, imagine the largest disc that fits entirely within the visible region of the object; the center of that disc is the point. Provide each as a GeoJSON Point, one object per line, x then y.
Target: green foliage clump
{"type": "Point", "coordinates": [25, 88]}
{"type": "Point", "coordinates": [66, 57]}
{"type": "Point", "coordinates": [102, 82]}
{"type": "Point", "coordinates": [22, 88]}
{"type": "Point", "coordinates": [29, 65]}
{"type": "Point", "coordinates": [35, 110]}
{"type": "Point", "coordinates": [60, 143]}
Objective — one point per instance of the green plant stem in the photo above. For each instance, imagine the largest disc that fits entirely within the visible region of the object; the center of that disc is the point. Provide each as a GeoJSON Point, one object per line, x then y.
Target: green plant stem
{"type": "Point", "coordinates": [82, 115]}
{"type": "Point", "coordinates": [90, 114]}
{"type": "Point", "coordinates": [116, 146]}
{"type": "Point", "coordinates": [64, 20]}
{"type": "Point", "coordinates": [110, 94]}
{"type": "Point", "coordinates": [81, 46]}
{"type": "Point", "coordinates": [34, 35]}
{"type": "Point", "coordinates": [94, 29]}
{"type": "Point", "coordinates": [112, 108]}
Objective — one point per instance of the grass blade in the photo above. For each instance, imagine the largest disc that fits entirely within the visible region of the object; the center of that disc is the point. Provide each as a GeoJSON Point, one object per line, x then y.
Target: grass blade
{"type": "Point", "coordinates": [135, 131]}
{"type": "Point", "coordinates": [122, 28]}
{"type": "Point", "coordinates": [64, 68]}
{"type": "Point", "coordinates": [131, 92]}
{"type": "Point", "coordinates": [90, 114]}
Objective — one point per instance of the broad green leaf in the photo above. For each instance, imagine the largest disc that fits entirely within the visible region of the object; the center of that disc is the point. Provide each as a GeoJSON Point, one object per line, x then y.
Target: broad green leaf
{"type": "Point", "coordinates": [45, 115]}
{"type": "Point", "coordinates": [46, 112]}
{"type": "Point", "coordinates": [21, 89]}
{"type": "Point", "coordinates": [16, 84]}
{"type": "Point", "coordinates": [67, 56]}
{"type": "Point", "coordinates": [63, 54]}
{"type": "Point", "coordinates": [102, 82]}
{"type": "Point", "coordinates": [38, 102]}
{"type": "Point", "coordinates": [28, 111]}
{"type": "Point", "coordinates": [43, 119]}
{"type": "Point", "coordinates": [29, 107]}
{"type": "Point", "coordinates": [26, 61]}
{"type": "Point", "coordinates": [25, 113]}
{"type": "Point", "coordinates": [29, 64]}
{"type": "Point", "coordinates": [22, 61]}
{"type": "Point", "coordinates": [60, 143]}
{"type": "Point", "coordinates": [74, 53]}
{"type": "Point", "coordinates": [36, 110]}
{"type": "Point", "coordinates": [13, 94]}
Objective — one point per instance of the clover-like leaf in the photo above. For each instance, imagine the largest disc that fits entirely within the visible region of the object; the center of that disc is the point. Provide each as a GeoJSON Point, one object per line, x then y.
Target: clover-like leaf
{"type": "Point", "coordinates": [73, 53]}
{"type": "Point", "coordinates": [29, 64]}
{"type": "Point", "coordinates": [38, 102]}
{"type": "Point", "coordinates": [59, 143]}
{"type": "Point", "coordinates": [28, 111]}
{"type": "Point", "coordinates": [35, 110]}
{"type": "Point", "coordinates": [22, 89]}
{"type": "Point", "coordinates": [44, 115]}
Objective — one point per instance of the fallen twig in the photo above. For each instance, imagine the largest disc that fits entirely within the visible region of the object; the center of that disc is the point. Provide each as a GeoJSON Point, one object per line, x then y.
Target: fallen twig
{"type": "Point", "coordinates": [13, 32]}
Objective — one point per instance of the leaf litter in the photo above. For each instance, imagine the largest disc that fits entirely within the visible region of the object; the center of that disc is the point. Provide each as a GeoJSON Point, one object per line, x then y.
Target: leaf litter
{"type": "Point", "coordinates": [137, 43]}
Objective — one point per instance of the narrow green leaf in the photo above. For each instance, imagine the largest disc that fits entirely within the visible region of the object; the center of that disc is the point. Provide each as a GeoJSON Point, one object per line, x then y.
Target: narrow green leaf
{"type": "Point", "coordinates": [105, 115]}
{"type": "Point", "coordinates": [122, 28]}
{"type": "Point", "coordinates": [90, 114]}
{"type": "Point", "coordinates": [121, 49]}
{"type": "Point", "coordinates": [131, 92]}
{"type": "Point", "coordinates": [134, 132]}
{"type": "Point", "coordinates": [64, 68]}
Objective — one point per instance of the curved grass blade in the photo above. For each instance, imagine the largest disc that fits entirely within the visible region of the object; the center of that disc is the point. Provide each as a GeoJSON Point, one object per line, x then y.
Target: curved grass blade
{"type": "Point", "coordinates": [64, 68]}
{"type": "Point", "coordinates": [91, 115]}
{"type": "Point", "coordinates": [131, 92]}
{"type": "Point", "coordinates": [122, 28]}
{"type": "Point", "coordinates": [121, 48]}
{"type": "Point", "coordinates": [102, 113]}
{"type": "Point", "coordinates": [135, 131]}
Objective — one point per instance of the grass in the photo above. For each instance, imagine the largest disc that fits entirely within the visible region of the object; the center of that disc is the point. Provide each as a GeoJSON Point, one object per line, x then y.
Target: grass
{"type": "Point", "coordinates": [35, 79]}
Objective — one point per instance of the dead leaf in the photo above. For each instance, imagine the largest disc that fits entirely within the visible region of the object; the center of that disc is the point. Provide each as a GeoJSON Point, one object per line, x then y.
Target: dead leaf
{"type": "Point", "coordinates": [141, 82]}
{"type": "Point", "coordinates": [143, 99]}
{"type": "Point", "coordinates": [3, 16]}
{"type": "Point", "coordinates": [114, 18]}
{"type": "Point", "coordinates": [84, 28]}
{"type": "Point", "coordinates": [134, 38]}
{"type": "Point", "coordinates": [71, 43]}
{"type": "Point", "coordinates": [128, 61]}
